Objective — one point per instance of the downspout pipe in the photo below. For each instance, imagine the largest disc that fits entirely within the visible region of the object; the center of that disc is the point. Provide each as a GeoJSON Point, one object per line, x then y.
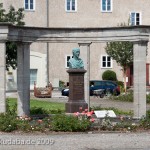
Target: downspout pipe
{"type": "Point", "coordinates": [47, 44]}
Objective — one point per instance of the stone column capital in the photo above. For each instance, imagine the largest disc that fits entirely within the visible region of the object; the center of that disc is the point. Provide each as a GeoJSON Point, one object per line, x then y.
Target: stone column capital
{"type": "Point", "coordinates": [3, 41]}
{"type": "Point", "coordinates": [23, 43]}
{"type": "Point", "coordinates": [84, 43]}
{"type": "Point", "coordinates": [141, 42]}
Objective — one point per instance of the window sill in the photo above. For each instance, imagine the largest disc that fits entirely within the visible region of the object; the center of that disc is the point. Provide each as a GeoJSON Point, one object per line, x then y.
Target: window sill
{"type": "Point", "coordinates": [28, 10]}
{"type": "Point", "coordinates": [71, 11]}
{"type": "Point", "coordinates": [106, 67]}
{"type": "Point", "coordinates": [106, 11]}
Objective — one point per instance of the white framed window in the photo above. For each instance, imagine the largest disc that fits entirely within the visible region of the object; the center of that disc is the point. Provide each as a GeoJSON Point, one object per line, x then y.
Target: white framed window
{"type": "Point", "coordinates": [106, 5]}
{"type": "Point", "coordinates": [67, 60]}
{"type": "Point", "coordinates": [29, 4]}
{"type": "Point", "coordinates": [135, 18]}
{"type": "Point", "coordinates": [71, 5]}
{"type": "Point", "coordinates": [106, 61]}
{"type": "Point", "coordinates": [33, 76]}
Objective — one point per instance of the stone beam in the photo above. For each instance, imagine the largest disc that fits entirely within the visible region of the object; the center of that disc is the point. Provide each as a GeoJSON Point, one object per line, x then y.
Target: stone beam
{"type": "Point", "coordinates": [70, 35]}
{"type": "Point", "coordinates": [23, 78]}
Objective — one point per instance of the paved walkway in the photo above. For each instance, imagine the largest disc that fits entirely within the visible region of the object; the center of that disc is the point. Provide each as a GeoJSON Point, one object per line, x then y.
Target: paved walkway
{"type": "Point", "coordinates": [77, 141]}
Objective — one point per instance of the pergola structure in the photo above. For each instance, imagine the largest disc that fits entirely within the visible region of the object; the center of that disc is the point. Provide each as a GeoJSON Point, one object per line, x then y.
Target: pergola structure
{"type": "Point", "coordinates": [25, 36]}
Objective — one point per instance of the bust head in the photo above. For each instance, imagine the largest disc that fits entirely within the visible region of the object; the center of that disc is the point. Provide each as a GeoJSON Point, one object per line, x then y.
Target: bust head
{"type": "Point", "coordinates": [76, 62]}
{"type": "Point", "coordinates": [76, 53]}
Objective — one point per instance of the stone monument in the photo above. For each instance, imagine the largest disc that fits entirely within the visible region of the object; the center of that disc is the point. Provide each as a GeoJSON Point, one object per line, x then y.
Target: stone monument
{"type": "Point", "coordinates": [76, 83]}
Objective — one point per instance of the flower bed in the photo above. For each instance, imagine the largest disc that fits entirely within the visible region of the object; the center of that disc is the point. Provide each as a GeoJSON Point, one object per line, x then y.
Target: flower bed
{"type": "Point", "coordinates": [82, 121]}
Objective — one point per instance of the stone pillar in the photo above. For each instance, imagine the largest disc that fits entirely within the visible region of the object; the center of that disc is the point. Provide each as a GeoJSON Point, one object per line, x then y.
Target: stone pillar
{"type": "Point", "coordinates": [2, 77]}
{"type": "Point", "coordinates": [23, 78]}
{"type": "Point", "coordinates": [139, 81]}
{"type": "Point", "coordinates": [85, 55]}
{"type": "Point", "coordinates": [76, 91]}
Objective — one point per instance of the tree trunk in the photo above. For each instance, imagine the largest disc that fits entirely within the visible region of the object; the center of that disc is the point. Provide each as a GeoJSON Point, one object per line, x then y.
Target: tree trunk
{"type": "Point", "coordinates": [125, 83]}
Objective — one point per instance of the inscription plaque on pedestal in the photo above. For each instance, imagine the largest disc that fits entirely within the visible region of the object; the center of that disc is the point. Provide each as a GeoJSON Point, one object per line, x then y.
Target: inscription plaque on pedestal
{"type": "Point", "coordinates": [76, 91]}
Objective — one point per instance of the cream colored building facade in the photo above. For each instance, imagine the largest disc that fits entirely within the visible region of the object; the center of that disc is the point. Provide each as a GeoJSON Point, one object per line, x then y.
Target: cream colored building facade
{"type": "Point", "coordinates": [49, 61]}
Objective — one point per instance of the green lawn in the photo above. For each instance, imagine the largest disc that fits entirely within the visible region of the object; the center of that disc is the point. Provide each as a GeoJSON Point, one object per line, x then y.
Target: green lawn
{"type": "Point", "coordinates": [45, 107]}
{"type": "Point", "coordinates": [40, 104]}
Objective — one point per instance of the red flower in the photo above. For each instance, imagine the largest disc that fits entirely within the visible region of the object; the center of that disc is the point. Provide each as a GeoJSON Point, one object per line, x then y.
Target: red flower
{"type": "Point", "coordinates": [40, 121]}
{"type": "Point", "coordinates": [89, 114]}
{"type": "Point", "coordinates": [92, 119]}
{"type": "Point", "coordinates": [76, 114]}
{"type": "Point", "coordinates": [121, 118]}
{"type": "Point", "coordinates": [86, 110]}
{"type": "Point", "coordinates": [92, 112]}
{"type": "Point", "coordinates": [80, 108]}
{"type": "Point", "coordinates": [83, 113]}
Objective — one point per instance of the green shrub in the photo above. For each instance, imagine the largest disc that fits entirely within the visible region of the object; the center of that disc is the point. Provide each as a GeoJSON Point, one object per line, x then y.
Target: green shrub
{"type": "Point", "coordinates": [61, 84]}
{"type": "Point", "coordinates": [11, 109]}
{"type": "Point", "coordinates": [148, 114]}
{"type": "Point", "coordinates": [24, 125]}
{"type": "Point", "coordinates": [148, 98]}
{"type": "Point", "coordinates": [106, 124]}
{"type": "Point", "coordinates": [109, 75]}
{"type": "Point", "coordinates": [145, 121]}
{"type": "Point", "coordinates": [28, 125]}
{"type": "Point", "coordinates": [8, 122]}
{"type": "Point", "coordinates": [121, 85]}
{"type": "Point", "coordinates": [69, 123]}
{"type": "Point", "coordinates": [128, 97]}
{"type": "Point", "coordinates": [56, 111]}
{"type": "Point", "coordinates": [38, 110]}
{"type": "Point", "coordinates": [126, 126]}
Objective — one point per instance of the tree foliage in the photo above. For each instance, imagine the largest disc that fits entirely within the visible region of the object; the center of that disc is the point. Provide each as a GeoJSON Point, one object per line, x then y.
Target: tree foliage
{"type": "Point", "coordinates": [16, 18]}
{"type": "Point", "coordinates": [122, 53]}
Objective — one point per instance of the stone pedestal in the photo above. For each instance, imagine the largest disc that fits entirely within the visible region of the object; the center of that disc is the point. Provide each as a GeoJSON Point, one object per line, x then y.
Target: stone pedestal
{"type": "Point", "coordinates": [76, 91]}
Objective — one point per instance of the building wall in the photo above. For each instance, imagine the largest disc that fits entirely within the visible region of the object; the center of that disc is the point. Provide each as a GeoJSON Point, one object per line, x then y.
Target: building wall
{"type": "Point", "coordinates": [88, 14]}
{"type": "Point", "coordinates": [36, 17]}
{"type": "Point", "coordinates": [37, 62]}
